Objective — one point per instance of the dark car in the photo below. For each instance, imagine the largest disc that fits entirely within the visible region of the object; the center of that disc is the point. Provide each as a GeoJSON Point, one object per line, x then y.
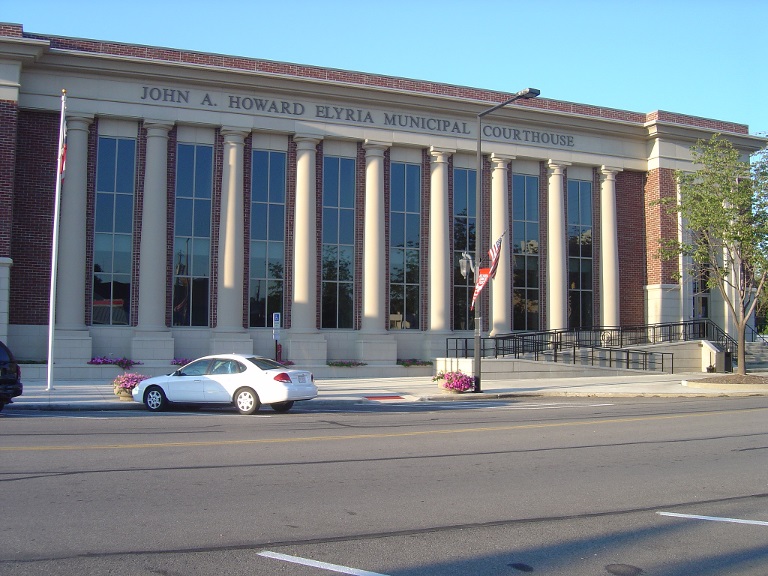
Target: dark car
{"type": "Point", "coordinates": [10, 377]}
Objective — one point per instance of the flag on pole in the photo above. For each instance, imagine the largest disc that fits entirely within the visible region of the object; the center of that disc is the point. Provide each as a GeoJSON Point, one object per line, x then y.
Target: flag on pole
{"type": "Point", "coordinates": [482, 279]}
{"type": "Point", "coordinates": [63, 143]}
{"type": "Point", "coordinates": [493, 255]}
{"type": "Point", "coordinates": [60, 165]}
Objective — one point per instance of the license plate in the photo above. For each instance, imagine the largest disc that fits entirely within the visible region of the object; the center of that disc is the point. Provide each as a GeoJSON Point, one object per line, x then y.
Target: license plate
{"type": "Point", "coordinates": [302, 379]}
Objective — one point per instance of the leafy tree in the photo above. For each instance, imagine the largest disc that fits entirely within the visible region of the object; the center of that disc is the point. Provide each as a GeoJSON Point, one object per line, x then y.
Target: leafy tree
{"type": "Point", "coordinates": [724, 208]}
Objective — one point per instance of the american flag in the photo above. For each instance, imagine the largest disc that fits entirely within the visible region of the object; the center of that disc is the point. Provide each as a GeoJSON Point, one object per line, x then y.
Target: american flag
{"type": "Point", "coordinates": [493, 255]}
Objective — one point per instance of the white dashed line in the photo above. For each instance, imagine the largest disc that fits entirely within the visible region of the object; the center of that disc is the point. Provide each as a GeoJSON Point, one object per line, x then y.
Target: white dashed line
{"type": "Point", "coordinates": [714, 518]}
{"type": "Point", "coordinates": [316, 564]}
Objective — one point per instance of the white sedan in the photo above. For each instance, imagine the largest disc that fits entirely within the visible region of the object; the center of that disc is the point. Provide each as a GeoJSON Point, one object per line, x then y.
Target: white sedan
{"type": "Point", "coordinates": [247, 382]}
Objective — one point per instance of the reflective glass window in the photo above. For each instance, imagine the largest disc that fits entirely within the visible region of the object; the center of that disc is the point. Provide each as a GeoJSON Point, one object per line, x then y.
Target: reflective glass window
{"type": "Point", "coordinates": [405, 246]}
{"type": "Point", "coordinates": [268, 181]}
{"type": "Point", "coordinates": [525, 252]}
{"type": "Point", "coordinates": [113, 227]}
{"type": "Point", "coordinates": [338, 234]}
{"type": "Point", "coordinates": [192, 234]}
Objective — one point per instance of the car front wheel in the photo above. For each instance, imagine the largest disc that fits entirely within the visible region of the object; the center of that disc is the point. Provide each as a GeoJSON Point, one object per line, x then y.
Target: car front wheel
{"type": "Point", "coordinates": [246, 401]}
{"type": "Point", "coordinates": [282, 406]}
{"type": "Point", "coordinates": [154, 399]}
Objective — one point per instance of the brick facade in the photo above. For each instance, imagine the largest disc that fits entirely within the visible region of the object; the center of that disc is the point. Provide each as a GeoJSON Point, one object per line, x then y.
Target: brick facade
{"type": "Point", "coordinates": [9, 112]}
{"type": "Point", "coordinates": [33, 203]}
{"type": "Point", "coordinates": [630, 224]}
{"type": "Point", "coordinates": [659, 225]}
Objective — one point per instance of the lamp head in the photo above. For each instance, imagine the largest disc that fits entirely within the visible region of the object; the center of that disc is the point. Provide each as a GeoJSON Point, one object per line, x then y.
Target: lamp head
{"type": "Point", "coordinates": [529, 93]}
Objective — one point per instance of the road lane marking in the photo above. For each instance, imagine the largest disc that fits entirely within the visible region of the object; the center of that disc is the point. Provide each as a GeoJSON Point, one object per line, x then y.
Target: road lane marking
{"type": "Point", "coordinates": [445, 431]}
{"type": "Point", "coordinates": [316, 564]}
{"type": "Point", "coordinates": [714, 518]}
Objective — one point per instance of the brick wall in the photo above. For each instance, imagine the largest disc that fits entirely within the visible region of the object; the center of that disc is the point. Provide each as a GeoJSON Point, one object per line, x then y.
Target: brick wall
{"type": "Point", "coordinates": [630, 223]}
{"type": "Point", "coordinates": [9, 112]}
{"type": "Point", "coordinates": [659, 225]}
{"type": "Point", "coordinates": [33, 205]}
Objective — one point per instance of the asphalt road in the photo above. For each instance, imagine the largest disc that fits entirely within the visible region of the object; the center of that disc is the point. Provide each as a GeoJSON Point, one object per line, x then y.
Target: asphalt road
{"type": "Point", "coordinates": [578, 487]}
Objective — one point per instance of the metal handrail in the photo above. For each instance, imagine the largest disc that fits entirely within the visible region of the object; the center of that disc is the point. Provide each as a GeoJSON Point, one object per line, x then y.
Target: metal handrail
{"type": "Point", "coordinates": [608, 344]}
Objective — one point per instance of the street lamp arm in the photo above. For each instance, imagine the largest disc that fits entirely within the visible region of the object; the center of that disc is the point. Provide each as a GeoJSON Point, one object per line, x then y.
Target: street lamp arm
{"type": "Point", "coordinates": [523, 94]}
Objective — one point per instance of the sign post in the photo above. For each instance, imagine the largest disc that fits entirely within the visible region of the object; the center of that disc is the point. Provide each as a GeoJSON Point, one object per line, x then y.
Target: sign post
{"type": "Point", "coordinates": [276, 335]}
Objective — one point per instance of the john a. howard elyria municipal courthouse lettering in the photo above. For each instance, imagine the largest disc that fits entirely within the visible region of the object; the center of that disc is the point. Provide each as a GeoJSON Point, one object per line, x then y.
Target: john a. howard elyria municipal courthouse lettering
{"type": "Point", "coordinates": [205, 196]}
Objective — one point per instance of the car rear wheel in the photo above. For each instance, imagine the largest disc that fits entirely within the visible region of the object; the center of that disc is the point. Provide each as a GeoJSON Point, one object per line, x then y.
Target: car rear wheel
{"type": "Point", "coordinates": [246, 401]}
{"type": "Point", "coordinates": [154, 399]}
{"type": "Point", "coordinates": [282, 406]}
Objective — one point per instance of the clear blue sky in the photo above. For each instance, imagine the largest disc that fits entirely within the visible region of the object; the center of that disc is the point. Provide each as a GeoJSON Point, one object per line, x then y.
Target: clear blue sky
{"type": "Point", "coordinates": [699, 57]}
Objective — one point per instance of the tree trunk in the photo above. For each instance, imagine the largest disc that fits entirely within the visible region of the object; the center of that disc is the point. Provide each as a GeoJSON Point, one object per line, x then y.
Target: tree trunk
{"type": "Point", "coordinates": [741, 366]}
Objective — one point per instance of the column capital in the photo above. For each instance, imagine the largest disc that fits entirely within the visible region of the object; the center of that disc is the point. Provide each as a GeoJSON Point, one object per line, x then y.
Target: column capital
{"type": "Point", "coordinates": [440, 154]}
{"type": "Point", "coordinates": [236, 135]}
{"type": "Point", "coordinates": [501, 160]}
{"type": "Point", "coordinates": [374, 146]}
{"type": "Point", "coordinates": [79, 122]}
{"type": "Point", "coordinates": [609, 172]}
{"type": "Point", "coordinates": [557, 166]}
{"type": "Point", "coordinates": [157, 127]}
{"type": "Point", "coordinates": [307, 139]}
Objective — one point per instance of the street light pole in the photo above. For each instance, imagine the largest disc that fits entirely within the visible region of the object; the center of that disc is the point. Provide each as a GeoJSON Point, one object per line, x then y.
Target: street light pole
{"type": "Point", "coordinates": [523, 94]}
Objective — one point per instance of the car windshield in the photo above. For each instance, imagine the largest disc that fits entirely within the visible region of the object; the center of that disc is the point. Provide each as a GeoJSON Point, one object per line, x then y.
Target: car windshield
{"type": "Point", "coordinates": [266, 363]}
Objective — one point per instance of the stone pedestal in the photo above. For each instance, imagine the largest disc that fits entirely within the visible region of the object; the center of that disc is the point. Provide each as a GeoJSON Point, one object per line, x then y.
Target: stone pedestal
{"type": "Point", "coordinates": [72, 346]}
{"type": "Point", "coordinates": [306, 349]}
{"type": "Point", "coordinates": [231, 343]}
{"type": "Point", "coordinates": [433, 345]}
{"type": "Point", "coordinates": [152, 346]}
{"type": "Point", "coordinates": [377, 349]}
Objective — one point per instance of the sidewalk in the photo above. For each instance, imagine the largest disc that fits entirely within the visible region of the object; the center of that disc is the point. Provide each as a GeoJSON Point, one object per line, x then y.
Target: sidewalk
{"type": "Point", "coordinates": [98, 395]}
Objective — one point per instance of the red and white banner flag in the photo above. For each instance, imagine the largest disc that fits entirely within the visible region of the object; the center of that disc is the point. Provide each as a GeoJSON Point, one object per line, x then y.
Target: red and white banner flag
{"type": "Point", "coordinates": [482, 279]}
{"type": "Point", "coordinates": [63, 136]}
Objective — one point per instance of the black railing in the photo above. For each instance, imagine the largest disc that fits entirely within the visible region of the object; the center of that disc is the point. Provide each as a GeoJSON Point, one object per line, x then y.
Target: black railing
{"type": "Point", "coordinates": [598, 346]}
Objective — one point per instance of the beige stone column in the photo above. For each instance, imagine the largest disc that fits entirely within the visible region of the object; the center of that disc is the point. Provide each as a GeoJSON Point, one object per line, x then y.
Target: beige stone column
{"type": "Point", "coordinates": [152, 252]}
{"type": "Point", "coordinates": [439, 243]}
{"type": "Point", "coordinates": [375, 345]}
{"type": "Point", "coordinates": [609, 249]}
{"type": "Point", "coordinates": [73, 341]}
{"type": "Point", "coordinates": [151, 339]}
{"type": "Point", "coordinates": [304, 310]}
{"type": "Point", "coordinates": [305, 345]}
{"type": "Point", "coordinates": [501, 285]}
{"type": "Point", "coordinates": [557, 255]}
{"type": "Point", "coordinates": [374, 275]}
{"type": "Point", "coordinates": [229, 335]}
{"type": "Point", "coordinates": [229, 310]}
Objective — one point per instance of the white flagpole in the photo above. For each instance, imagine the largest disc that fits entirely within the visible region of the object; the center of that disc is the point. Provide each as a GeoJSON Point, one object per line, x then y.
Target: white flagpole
{"type": "Point", "coordinates": [55, 244]}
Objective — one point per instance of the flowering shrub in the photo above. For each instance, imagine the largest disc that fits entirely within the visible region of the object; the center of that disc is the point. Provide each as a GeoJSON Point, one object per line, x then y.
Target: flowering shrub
{"type": "Point", "coordinates": [457, 381]}
{"type": "Point", "coordinates": [124, 363]}
{"type": "Point", "coordinates": [127, 381]}
{"type": "Point", "coordinates": [346, 363]}
{"type": "Point", "coordinates": [414, 362]}
{"type": "Point", "coordinates": [181, 361]}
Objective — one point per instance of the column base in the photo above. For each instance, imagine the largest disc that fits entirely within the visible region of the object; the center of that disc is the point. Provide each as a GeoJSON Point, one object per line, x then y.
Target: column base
{"type": "Point", "coordinates": [306, 349]}
{"type": "Point", "coordinates": [152, 346]}
{"type": "Point", "coordinates": [231, 343]}
{"type": "Point", "coordinates": [377, 349]}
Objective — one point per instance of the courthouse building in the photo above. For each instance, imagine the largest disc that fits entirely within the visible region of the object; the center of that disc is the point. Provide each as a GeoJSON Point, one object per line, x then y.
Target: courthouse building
{"type": "Point", "coordinates": [205, 193]}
